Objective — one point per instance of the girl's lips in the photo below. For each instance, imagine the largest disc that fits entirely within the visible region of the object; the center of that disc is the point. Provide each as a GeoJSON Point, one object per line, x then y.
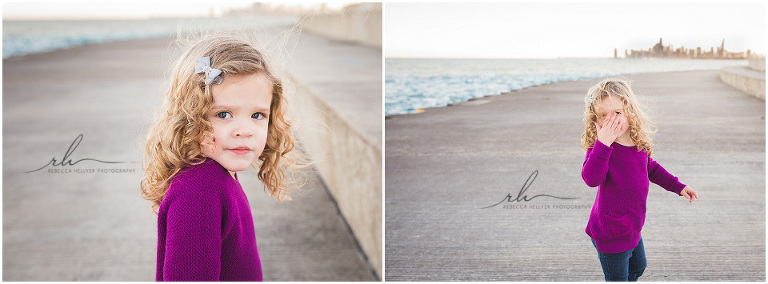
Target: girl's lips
{"type": "Point", "coordinates": [240, 150]}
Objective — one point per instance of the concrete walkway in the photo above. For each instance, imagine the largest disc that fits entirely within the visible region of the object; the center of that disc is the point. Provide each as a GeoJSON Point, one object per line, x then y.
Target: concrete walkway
{"type": "Point", "coordinates": [94, 226]}
{"type": "Point", "coordinates": [444, 165]}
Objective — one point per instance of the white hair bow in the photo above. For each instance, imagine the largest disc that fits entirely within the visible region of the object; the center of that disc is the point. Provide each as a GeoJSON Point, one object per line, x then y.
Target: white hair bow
{"type": "Point", "coordinates": [211, 74]}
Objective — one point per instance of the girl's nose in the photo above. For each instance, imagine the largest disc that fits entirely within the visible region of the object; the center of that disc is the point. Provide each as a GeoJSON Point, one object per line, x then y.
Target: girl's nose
{"type": "Point", "coordinates": [243, 130]}
{"type": "Point", "coordinates": [245, 133]}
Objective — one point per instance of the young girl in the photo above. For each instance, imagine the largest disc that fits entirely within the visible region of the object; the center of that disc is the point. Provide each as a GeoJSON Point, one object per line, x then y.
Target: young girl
{"type": "Point", "coordinates": [618, 161]}
{"type": "Point", "coordinates": [224, 112]}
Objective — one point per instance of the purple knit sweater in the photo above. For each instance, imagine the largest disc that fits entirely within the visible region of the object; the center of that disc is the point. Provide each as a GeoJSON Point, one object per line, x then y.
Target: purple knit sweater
{"type": "Point", "coordinates": [621, 174]}
{"type": "Point", "coordinates": [205, 228]}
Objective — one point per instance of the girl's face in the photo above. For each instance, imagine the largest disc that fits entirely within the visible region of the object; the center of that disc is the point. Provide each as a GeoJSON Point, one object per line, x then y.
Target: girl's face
{"type": "Point", "coordinates": [610, 105]}
{"type": "Point", "coordinates": [239, 116]}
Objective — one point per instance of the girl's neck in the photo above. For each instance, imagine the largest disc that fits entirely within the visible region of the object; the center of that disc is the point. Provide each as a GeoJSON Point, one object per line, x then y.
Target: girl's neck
{"type": "Point", "coordinates": [625, 140]}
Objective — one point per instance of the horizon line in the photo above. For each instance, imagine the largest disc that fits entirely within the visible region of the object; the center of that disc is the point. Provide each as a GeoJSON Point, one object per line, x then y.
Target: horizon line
{"type": "Point", "coordinates": [556, 57]}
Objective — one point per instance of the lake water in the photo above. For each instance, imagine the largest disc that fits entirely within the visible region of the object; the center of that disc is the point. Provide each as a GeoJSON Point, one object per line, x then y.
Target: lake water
{"type": "Point", "coordinates": [413, 84]}
{"type": "Point", "coordinates": [28, 37]}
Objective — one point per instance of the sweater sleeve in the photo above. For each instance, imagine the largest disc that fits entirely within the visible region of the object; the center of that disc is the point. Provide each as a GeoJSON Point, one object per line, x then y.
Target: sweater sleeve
{"type": "Point", "coordinates": [193, 239]}
{"type": "Point", "coordinates": [658, 175]}
{"type": "Point", "coordinates": [595, 167]}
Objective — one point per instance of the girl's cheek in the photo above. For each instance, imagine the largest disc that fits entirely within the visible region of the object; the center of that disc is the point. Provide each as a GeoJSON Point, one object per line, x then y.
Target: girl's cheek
{"type": "Point", "coordinates": [262, 140]}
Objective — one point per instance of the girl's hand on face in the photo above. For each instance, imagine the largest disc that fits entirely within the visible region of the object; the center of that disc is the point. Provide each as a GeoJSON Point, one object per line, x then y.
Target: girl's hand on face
{"type": "Point", "coordinates": [610, 130]}
{"type": "Point", "coordinates": [689, 194]}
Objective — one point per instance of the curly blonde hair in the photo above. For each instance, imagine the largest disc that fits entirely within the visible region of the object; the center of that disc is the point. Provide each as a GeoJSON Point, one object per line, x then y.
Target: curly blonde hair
{"type": "Point", "coordinates": [640, 125]}
{"type": "Point", "coordinates": [173, 142]}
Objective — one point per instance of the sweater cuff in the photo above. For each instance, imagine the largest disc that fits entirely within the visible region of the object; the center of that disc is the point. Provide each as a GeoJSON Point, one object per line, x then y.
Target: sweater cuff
{"type": "Point", "coordinates": [601, 150]}
{"type": "Point", "coordinates": [677, 187]}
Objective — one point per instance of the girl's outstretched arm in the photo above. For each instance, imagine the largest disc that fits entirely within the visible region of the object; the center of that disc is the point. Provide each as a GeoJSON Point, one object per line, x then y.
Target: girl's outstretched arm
{"type": "Point", "coordinates": [595, 167]}
{"type": "Point", "coordinates": [193, 238]}
{"type": "Point", "coordinates": [658, 175]}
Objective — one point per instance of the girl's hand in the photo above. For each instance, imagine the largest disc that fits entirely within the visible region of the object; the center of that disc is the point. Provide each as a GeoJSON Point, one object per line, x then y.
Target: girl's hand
{"type": "Point", "coordinates": [611, 129]}
{"type": "Point", "coordinates": [689, 193]}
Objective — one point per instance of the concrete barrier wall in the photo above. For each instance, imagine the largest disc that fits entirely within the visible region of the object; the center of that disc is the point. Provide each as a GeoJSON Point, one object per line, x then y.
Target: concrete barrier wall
{"type": "Point", "coordinates": [757, 63]}
{"type": "Point", "coordinates": [357, 23]}
{"type": "Point", "coordinates": [745, 79]}
{"type": "Point", "coordinates": [350, 165]}
{"type": "Point", "coordinates": [348, 161]}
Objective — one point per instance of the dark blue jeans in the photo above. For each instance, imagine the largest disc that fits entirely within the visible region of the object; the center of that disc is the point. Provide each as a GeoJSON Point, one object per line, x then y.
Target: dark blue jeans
{"type": "Point", "coordinates": [623, 266]}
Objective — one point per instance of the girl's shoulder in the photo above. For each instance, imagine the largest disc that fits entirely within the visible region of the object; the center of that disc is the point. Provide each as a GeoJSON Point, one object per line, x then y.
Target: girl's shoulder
{"type": "Point", "coordinates": [207, 178]}
{"type": "Point", "coordinates": [195, 193]}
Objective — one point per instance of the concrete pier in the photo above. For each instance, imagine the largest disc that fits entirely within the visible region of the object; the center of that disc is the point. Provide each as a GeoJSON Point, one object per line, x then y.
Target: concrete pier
{"type": "Point", "coordinates": [93, 225]}
{"type": "Point", "coordinates": [445, 165]}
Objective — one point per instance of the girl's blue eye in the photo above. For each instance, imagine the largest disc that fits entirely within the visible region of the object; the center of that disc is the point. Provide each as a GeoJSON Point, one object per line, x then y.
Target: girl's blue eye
{"type": "Point", "coordinates": [224, 115]}
{"type": "Point", "coordinates": [257, 115]}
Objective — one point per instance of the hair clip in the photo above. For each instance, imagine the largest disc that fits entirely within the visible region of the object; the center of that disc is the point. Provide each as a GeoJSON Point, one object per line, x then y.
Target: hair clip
{"type": "Point", "coordinates": [203, 65]}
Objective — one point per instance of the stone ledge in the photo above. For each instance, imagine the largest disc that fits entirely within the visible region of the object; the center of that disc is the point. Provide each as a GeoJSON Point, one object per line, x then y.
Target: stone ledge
{"type": "Point", "coordinates": [349, 163]}
{"type": "Point", "coordinates": [744, 79]}
{"type": "Point", "coordinates": [357, 23]}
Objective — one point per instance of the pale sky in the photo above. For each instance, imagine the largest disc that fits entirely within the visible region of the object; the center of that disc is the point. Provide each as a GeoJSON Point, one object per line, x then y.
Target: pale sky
{"type": "Point", "coordinates": [551, 30]}
{"type": "Point", "coordinates": [131, 10]}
